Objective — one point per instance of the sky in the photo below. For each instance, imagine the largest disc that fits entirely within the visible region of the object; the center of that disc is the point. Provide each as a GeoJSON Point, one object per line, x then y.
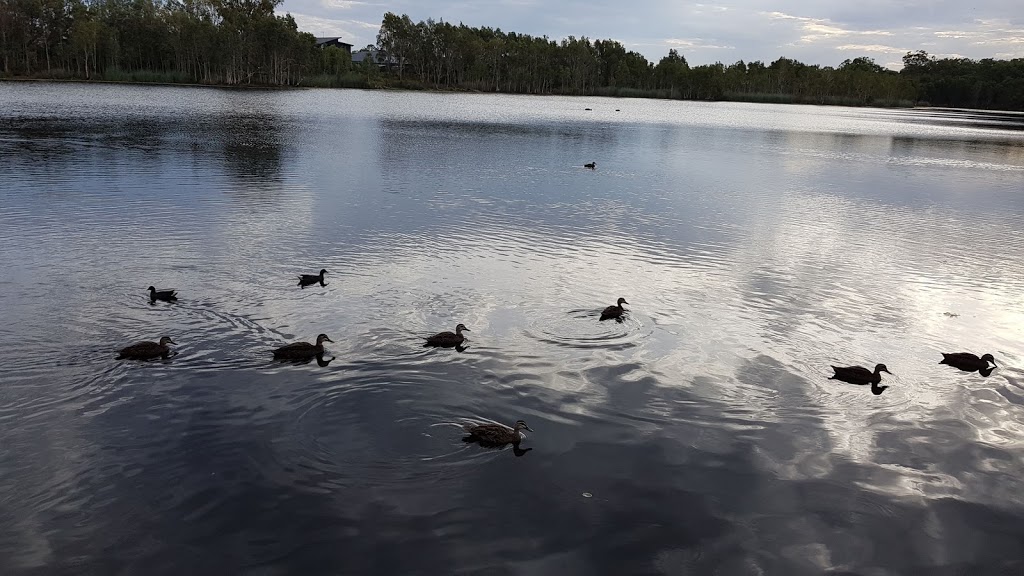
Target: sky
{"type": "Point", "coordinates": [822, 32]}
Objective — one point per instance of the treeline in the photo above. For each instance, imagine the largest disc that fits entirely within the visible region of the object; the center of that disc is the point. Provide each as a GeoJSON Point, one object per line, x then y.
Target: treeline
{"type": "Point", "coordinates": [208, 41]}
{"type": "Point", "coordinates": [236, 42]}
{"type": "Point", "coordinates": [442, 54]}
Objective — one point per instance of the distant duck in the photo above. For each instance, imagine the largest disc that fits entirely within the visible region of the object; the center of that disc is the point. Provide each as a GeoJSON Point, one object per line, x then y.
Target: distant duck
{"type": "Point", "coordinates": [616, 109]}
{"type": "Point", "coordinates": [591, 165]}
{"type": "Point", "coordinates": [302, 350]}
{"type": "Point", "coordinates": [587, 108]}
{"type": "Point", "coordinates": [496, 434]}
{"type": "Point", "coordinates": [968, 362]}
{"type": "Point", "coordinates": [614, 311]}
{"type": "Point", "coordinates": [147, 350]}
{"type": "Point", "coordinates": [861, 376]}
{"type": "Point", "coordinates": [308, 279]}
{"type": "Point", "coordinates": [165, 295]}
{"type": "Point", "coordinates": [448, 339]}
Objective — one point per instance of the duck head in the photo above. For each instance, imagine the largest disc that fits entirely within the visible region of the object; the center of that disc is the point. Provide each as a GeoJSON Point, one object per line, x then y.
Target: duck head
{"type": "Point", "coordinates": [151, 289]}
{"type": "Point", "coordinates": [460, 328]}
{"type": "Point", "coordinates": [989, 358]}
{"type": "Point", "coordinates": [881, 368]}
{"type": "Point", "coordinates": [322, 272]}
{"type": "Point", "coordinates": [323, 338]}
{"type": "Point", "coordinates": [167, 340]}
{"type": "Point", "coordinates": [621, 302]}
{"type": "Point", "coordinates": [520, 425]}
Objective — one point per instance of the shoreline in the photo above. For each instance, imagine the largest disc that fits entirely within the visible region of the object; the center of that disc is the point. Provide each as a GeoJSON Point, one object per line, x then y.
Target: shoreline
{"type": "Point", "coordinates": [752, 99]}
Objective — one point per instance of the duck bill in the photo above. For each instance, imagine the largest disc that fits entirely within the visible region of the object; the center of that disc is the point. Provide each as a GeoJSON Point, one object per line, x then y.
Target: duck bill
{"type": "Point", "coordinates": [328, 340]}
{"type": "Point", "coordinates": [528, 428]}
{"type": "Point", "coordinates": [172, 341]}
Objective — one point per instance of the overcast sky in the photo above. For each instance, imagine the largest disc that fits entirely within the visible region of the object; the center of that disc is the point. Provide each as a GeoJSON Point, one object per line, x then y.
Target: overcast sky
{"type": "Point", "coordinates": [813, 31]}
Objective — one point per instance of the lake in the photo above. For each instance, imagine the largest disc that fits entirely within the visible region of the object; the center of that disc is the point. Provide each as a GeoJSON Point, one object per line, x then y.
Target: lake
{"type": "Point", "coordinates": [756, 245]}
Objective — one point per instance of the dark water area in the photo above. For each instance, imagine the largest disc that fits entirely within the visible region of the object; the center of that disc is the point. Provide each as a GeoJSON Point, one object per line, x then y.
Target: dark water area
{"type": "Point", "coordinates": [756, 244]}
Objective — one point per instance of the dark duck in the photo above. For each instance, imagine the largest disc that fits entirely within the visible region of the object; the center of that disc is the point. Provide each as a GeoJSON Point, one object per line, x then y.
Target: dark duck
{"type": "Point", "coordinates": [861, 376]}
{"type": "Point", "coordinates": [302, 350]}
{"type": "Point", "coordinates": [310, 279]}
{"type": "Point", "coordinates": [969, 362]}
{"type": "Point", "coordinates": [496, 435]}
{"type": "Point", "coordinates": [165, 295]}
{"type": "Point", "coordinates": [147, 350]}
{"type": "Point", "coordinates": [448, 339]}
{"type": "Point", "coordinates": [614, 312]}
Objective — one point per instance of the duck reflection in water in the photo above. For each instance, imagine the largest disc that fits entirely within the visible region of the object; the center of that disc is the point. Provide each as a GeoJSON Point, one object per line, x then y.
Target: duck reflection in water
{"type": "Point", "coordinates": [861, 376]}
{"type": "Point", "coordinates": [968, 362]}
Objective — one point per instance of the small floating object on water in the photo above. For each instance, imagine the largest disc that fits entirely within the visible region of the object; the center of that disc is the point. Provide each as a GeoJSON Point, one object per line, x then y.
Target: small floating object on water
{"type": "Point", "coordinates": [496, 434]}
{"type": "Point", "coordinates": [147, 350]}
{"type": "Point", "coordinates": [307, 279]}
{"type": "Point", "coordinates": [969, 362]}
{"type": "Point", "coordinates": [616, 109]}
{"type": "Point", "coordinates": [950, 315]}
{"type": "Point", "coordinates": [588, 495]}
{"type": "Point", "coordinates": [448, 339]}
{"type": "Point", "coordinates": [587, 108]}
{"type": "Point", "coordinates": [165, 295]}
{"type": "Point", "coordinates": [614, 311]}
{"type": "Point", "coordinates": [591, 165]}
{"type": "Point", "coordinates": [302, 350]}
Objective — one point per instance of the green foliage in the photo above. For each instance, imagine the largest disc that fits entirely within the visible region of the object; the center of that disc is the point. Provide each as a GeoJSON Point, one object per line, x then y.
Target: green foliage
{"type": "Point", "coordinates": [208, 41]}
{"type": "Point", "coordinates": [245, 42]}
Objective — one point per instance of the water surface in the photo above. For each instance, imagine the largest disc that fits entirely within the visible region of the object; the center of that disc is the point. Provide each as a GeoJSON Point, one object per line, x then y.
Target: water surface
{"type": "Point", "coordinates": [756, 244]}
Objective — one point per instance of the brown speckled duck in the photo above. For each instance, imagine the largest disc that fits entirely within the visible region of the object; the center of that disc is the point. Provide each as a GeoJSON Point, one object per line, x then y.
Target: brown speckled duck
{"type": "Point", "coordinates": [147, 350]}
{"type": "Point", "coordinates": [165, 295]}
{"type": "Point", "coordinates": [447, 339]}
{"type": "Point", "coordinates": [302, 350]}
{"type": "Point", "coordinates": [496, 434]}
{"type": "Point", "coordinates": [614, 311]}
{"type": "Point", "coordinates": [309, 279]}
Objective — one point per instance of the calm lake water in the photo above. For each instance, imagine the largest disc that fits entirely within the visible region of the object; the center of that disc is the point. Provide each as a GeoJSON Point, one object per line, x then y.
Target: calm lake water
{"type": "Point", "coordinates": [756, 244]}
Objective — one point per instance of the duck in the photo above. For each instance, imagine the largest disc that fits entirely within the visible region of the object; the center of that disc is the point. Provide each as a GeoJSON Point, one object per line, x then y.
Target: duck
{"type": "Point", "coordinates": [165, 295]}
{"type": "Point", "coordinates": [308, 279]}
{"type": "Point", "coordinates": [861, 376]}
{"type": "Point", "coordinates": [496, 434]}
{"type": "Point", "coordinates": [968, 362]}
{"type": "Point", "coordinates": [448, 339]}
{"type": "Point", "coordinates": [591, 165]}
{"type": "Point", "coordinates": [302, 350]}
{"type": "Point", "coordinates": [614, 311]}
{"type": "Point", "coordinates": [147, 350]}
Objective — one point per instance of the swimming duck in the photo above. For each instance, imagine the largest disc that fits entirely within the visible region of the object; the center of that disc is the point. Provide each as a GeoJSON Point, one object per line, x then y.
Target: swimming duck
{"type": "Point", "coordinates": [591, 165]}
{"type": "Point", "coordinates": [165, 295]}
{"type": "Point", "coordinates": [861, 376]}
{"type": "Point", "coordinates": [614, 311]}
{"type": "Point", "coordinates": [968, 362]}
{"type": "Point", "coordinates": [307, 279]}
{"type": "Point", "coordinates": [496, 434]}
{"type": "Point", "coordinates": [147, 350]}
{"type": "Point", "coordinates": [302, 350]}
{"type": "Point", "coordinates": [447, 339]}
